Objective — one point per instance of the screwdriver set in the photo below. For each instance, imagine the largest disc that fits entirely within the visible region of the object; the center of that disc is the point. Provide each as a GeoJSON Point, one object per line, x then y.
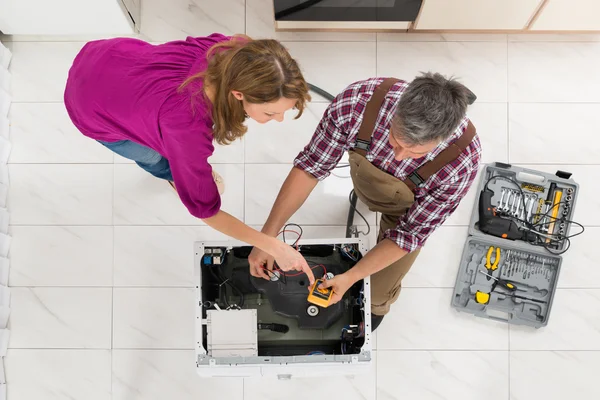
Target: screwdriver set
{"type": "Point", "coordinates": [511, 261]}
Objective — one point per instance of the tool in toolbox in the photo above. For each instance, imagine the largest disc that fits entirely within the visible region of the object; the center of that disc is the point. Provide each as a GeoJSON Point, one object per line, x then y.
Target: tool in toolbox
{"type": "Point", "coordinates": [502, 282]}
{"type": "Point", "coordinates": [492, 224]}
{"type": "Point", "coordinates": [318, 296]}
{"type": "Point", "coordinates": [488, 259]}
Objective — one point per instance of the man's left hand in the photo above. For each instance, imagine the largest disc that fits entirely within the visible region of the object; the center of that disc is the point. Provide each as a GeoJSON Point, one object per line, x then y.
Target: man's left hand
{"type": "Point", "coordinates": [340, 285]}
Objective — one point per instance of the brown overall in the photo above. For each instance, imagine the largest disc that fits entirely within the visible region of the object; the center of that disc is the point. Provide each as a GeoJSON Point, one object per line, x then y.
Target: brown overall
{"type": "Point", "coordinates": [390, 196]}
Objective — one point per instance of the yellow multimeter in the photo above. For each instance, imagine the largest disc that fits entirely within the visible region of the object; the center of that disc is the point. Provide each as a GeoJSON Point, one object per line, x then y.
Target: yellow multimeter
{"type": "Point", "coordinates": [320, 297]}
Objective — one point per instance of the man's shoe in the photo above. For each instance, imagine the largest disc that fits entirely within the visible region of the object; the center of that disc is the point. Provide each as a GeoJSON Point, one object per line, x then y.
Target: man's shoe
{"type": "Point", "coordinates": [376, 321]}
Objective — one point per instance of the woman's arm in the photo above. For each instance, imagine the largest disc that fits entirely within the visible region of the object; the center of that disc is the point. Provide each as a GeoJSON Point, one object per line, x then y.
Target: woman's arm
{"type": "Point", "coordinates": [286, 257]}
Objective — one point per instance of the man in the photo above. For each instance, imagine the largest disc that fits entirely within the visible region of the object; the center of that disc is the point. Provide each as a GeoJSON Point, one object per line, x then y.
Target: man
{"type": "Point", "coordinates": [413, 156]}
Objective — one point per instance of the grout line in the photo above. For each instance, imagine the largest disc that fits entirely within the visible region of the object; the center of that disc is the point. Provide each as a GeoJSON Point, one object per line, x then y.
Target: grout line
{"type": "Point", "coordinates": [508, 355]}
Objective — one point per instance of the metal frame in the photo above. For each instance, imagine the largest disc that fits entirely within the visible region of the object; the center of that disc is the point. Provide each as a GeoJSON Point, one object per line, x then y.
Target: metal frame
{"type": "Point", "coordinates": [283, 366]}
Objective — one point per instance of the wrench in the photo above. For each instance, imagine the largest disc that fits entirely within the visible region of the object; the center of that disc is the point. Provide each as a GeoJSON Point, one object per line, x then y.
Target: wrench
{"type": "Point", "coordinates": [530, 210]}
{"type": "Point", "coordinates": [500, 204]}
{"type": "Point", "coordinates": [506, 206]}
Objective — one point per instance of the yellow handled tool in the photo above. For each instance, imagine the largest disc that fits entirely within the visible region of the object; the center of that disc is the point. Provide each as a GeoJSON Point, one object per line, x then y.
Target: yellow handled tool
{"type": "Point", "coordinates": [557, 197]}
{"type": "Point", "coordinates": [488, 260]}
{"type": "Point", "coordinates": [481, 297]}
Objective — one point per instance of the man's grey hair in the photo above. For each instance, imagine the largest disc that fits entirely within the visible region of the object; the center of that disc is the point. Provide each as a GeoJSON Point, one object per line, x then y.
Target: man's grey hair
{"type": "Point", "coordinates": [430, 109]}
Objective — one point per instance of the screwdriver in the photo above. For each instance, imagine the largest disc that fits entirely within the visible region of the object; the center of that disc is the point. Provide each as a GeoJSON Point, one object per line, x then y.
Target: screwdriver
{"type": "Point", "coordinates": [504, 283]}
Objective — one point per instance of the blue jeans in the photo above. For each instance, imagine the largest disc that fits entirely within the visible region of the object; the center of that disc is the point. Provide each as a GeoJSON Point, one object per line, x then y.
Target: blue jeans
{"type": "Point", "coordinates": [144, 156]}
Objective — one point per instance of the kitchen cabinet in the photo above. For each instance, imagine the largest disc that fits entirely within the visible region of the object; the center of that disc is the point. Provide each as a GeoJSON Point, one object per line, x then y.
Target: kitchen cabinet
{"type": "Point", "coordinates": [569, 15]}
{"type": "Point", "coordinates": [68, 17]}
{"type": "Point", "coordinates": [476, 14]}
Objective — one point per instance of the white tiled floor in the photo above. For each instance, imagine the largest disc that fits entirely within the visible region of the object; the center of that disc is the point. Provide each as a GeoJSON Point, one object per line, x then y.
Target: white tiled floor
{"type": "Point", "coordinates": [101, 257]}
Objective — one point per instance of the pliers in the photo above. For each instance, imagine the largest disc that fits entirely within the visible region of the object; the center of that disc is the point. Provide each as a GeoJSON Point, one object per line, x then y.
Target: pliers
{"type": "Point", "coordinates": [488, 264]}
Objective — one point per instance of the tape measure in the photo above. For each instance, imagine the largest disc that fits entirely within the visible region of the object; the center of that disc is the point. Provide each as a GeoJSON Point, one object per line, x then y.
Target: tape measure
{"type": "Point", "coordinates": [320, 297]}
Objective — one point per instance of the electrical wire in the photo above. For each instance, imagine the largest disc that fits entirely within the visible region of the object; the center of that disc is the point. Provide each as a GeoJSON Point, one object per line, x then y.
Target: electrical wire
{"type": "Point", "coordinates": [531, 227]}
{"type": "Point", "coordinates": [359, 213]}
{"type": "Point", "coordinates": [285, 229]}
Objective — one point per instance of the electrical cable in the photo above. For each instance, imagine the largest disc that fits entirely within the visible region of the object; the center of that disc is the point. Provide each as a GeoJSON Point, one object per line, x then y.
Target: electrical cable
{"type": "Point", "coordinates": [531, 227]}
{"type": "Point", "coordinates": [323, 93]}
{"type": "Point", "coordinates": [359, 213]}
{"type": "Point", "coordinates": [299, 234]}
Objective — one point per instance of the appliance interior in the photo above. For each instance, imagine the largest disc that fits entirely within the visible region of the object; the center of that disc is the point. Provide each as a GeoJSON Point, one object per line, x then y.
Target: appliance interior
{"type": "Point", "coordinates": [288, 325]}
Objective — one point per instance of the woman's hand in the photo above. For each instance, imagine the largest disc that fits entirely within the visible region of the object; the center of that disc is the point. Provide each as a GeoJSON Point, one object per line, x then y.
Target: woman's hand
{"type": "Point", "coordinates": [289, 259]}
{"type": "Point", "coordinates": [259, 260]}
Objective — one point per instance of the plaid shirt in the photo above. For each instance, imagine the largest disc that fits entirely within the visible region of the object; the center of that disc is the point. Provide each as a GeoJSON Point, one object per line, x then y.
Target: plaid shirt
{"type": "Point", "coordinates": [435, 200]}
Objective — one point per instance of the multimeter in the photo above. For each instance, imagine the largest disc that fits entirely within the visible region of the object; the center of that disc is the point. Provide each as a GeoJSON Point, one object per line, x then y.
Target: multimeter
{"type": "Point", "coordinates": [320, 297]}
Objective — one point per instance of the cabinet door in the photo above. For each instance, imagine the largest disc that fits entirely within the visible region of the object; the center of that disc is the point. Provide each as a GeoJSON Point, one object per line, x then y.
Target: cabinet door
{"type": "Point", "coordinates": [476, 14]}
{"type": "Point", "coordinates": [64, 17]}
{"type": "Point", "coordinates": [570, 15]}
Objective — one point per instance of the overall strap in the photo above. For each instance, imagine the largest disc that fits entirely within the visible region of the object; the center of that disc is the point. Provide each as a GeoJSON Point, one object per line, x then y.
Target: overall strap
{"type": "Point", "coordinates": [367, 125]}
{"type": "Point", "coordinates": [448, 155]}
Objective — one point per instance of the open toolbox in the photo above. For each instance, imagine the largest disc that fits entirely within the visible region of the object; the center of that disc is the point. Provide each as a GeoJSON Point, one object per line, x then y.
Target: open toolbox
{"type": "Point", "coordinates": [521, 223]}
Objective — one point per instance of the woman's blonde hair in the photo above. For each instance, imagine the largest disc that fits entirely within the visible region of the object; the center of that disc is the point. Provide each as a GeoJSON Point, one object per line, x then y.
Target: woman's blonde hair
{"type": "Point", "coordinates": [262, 70]}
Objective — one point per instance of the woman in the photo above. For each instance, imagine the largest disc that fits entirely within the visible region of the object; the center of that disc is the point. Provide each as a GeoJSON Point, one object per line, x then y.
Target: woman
{"type": "Point", "coordinates": [164, 105]}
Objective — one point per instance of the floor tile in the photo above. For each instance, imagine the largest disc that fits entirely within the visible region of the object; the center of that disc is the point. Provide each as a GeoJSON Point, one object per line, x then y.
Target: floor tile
{"type": "Point", "coordinates": [327, 205]}
{"type": "Point", "coordinates": [58, 374]}
{"type": "Point", "coordinates": [438, 262]}
{"type": "Point", "coordinates": [352, 387]}
{"type": "Point", "coordinates": [440, 37]}
{"type": "Point", "coordinates": [60, 194]}
{"type": "Point", "coordinates": [153, 318]}
{"type": "Point", "coordinates": [40, 69]}
{"type": "Point", "coordinates": [325, 64]}
{"type": "Point", "coordinates": [43, 133]}
{"type": "Point", "coordinates": [141, 199]}
{"type": "Point", "coordinates": [260, 23]}
{"type": "Point", "coordinates": [580, 264]}
{"type": "Point", "coordinates": [160, 256]}
{"type": "Point", "coordinates": [281, 142]}
{"type": "Point", "coordinates": [533, 69]}
{"type": "Point", "coordinates": [160, 374]}
{"type": "Point", "coordinates": [230, 154]}
{"type": "Point", "coordinates": [537, 133]}
{"type": "Point", "coordinates": [587, 202]}
{"type": "Point", "coordinates": [480, 66]}
{"type": "Point", "coordinates": [72, 256]}
{"type": "Point", "coordinates": [60, 318]}
{"type": "Point", "coordinates": [422, 319]}
{"type": "Point", "coordinates": [573, 324]}
{"type": "Point", "coordinates": [174, 20]}
{"type": "Point", "coordinates": [554, 375]}
{"type": "Point", "coordinates": [490, 120]}
{"type": "Point", "coordinates": [448, 375]}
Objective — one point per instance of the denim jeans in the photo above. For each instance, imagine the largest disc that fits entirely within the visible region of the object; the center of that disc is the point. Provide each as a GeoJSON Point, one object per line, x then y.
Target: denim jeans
{"type": "Point", "coordinates": [144, 156]}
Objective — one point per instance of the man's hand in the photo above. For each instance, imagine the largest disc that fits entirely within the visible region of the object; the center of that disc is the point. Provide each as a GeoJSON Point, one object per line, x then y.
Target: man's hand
{"type": "Point", "coordinates": [259, 260]}
{"type": "Point", "coordinates": [340, 285]}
